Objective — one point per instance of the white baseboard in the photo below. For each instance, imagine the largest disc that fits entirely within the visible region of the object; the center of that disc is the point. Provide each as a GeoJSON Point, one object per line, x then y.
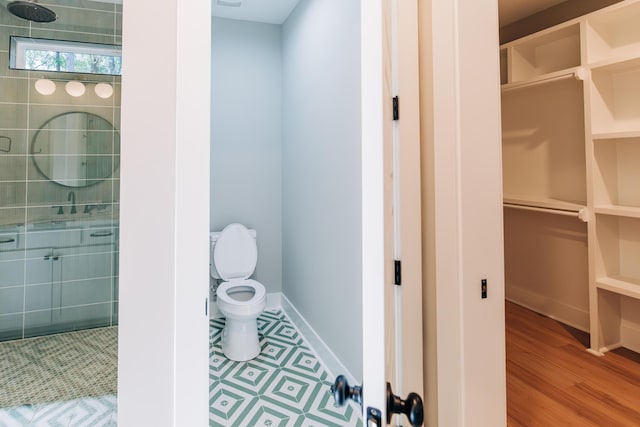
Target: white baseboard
{"type": "Point", "coordinates": [630, 335]}
{"type": "Point", "coordinates": [562, 312]}
{"type": "Point", "coordinates": [277, 301]}
{"type": "Point", "coordinates": [323, 352]}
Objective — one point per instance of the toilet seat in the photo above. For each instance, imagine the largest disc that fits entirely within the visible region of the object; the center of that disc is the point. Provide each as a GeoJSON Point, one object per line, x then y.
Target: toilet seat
{"type": "Point", "coordinates": [225, 288]}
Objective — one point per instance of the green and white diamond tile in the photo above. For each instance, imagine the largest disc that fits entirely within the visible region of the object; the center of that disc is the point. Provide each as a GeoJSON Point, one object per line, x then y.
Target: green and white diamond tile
{"type": "Point", "coordinates": [323, 410]}
{"type": "Point", "coordinates": [219, 365]}
{"type": "Point", "coordinates": [273, 353]}
{"type": "Point", "coordinates": [304, 363]}
{"type": "Point", "coordinates": [285, 385]}
{"type": "Point", "coordinates": [249, 377]}
{"type": "Point", "coordinates": [259, 412]}
{"type": "Point", "coordinates": [227, 405]}
{"type": "Point", "coordinates": [16, 417]}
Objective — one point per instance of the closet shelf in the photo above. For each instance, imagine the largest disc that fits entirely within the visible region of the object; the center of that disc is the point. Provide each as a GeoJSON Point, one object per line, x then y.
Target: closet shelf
{"type": "Point", "coordinates": [620, 285]}
{"type": "Point", "coordinates": [599, 136]}
{"type": "Point", "coordinates": [627, 211]}
{"type": "Point", "coordinates": [540, 202]}
{"type": "Point", "coordinates": [617, 64]}
{"type": "Point", "coordinates": [577, 73]}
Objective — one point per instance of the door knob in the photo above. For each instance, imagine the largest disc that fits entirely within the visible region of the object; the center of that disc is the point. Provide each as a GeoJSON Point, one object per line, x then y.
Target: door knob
{"type": "Point", "coordinates": [411, 407]}
{"type": "Point", "coordinates": [342, 392]}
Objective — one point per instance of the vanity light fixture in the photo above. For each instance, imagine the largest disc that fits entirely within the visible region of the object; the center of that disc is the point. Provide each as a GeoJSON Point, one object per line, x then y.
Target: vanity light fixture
{"type": "Point", "coordinates": [45, 86]}
{"type": "Point", "coordinates": [75, 88]}
{"type": "Point", "coordinates": [104, 90]}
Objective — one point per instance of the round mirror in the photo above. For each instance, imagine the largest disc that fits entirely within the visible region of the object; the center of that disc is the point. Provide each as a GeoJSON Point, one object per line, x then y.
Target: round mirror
{"type": "Point", "coordinates": [76, 149]}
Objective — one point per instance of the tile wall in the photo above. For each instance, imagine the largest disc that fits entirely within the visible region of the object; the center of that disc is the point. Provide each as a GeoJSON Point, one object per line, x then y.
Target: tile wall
{"type": "Point", "coordinates": [58, 259]}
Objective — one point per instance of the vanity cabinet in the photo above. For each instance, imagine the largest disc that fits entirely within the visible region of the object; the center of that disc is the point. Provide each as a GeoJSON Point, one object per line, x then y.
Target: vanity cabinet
{"type": "Point", "coordinates": [571, 172]}
{"type": "Point", "coordinates": [54, 289]}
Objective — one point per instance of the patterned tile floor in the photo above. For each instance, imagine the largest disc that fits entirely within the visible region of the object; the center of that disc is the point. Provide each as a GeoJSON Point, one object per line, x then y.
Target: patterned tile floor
{"type": "Point", "coordinates": [284, 386]}
{"type": "Point", "coordinates": [97, 411]}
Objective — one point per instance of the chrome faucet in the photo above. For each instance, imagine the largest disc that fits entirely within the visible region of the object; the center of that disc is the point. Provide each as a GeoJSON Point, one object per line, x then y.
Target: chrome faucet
{"type": "Point", "coordinates": [72, 198]}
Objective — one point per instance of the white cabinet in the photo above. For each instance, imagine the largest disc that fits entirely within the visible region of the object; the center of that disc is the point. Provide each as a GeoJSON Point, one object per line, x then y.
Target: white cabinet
{"type": "Point", "coordinates": [571, 147]}
{"type": "Point", "coordinates": [53, 289]}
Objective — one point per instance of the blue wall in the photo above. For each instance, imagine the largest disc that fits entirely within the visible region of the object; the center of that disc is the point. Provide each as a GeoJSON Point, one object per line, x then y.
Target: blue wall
{"type": "Point", "coordinates": [246, 134]}
{"type": "Point", "coordinates": [321, 172]}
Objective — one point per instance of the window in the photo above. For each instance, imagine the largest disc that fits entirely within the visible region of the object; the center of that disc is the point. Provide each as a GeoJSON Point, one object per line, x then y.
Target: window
{"type": "Point", "coordinates": [64, 56]}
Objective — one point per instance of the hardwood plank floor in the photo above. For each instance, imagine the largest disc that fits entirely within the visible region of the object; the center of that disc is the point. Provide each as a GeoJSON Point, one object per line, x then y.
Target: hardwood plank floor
{"type": "Point", "coordinates": [553, 381]}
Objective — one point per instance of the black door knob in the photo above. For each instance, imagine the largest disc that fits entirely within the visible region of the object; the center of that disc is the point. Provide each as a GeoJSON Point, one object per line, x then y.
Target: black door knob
{"type": "Point", "coordinates": [342, 392]}
{"type": "Point", "coordinates": [411, 407]}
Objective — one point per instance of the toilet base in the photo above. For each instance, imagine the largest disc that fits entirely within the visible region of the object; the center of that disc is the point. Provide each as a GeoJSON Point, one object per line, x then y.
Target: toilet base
{"type": "Point", "coordinates": [240, 341]}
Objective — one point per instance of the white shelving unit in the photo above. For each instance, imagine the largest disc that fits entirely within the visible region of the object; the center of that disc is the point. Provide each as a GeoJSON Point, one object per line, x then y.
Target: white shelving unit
{"type": "Point", "coordinates": [571, 145]}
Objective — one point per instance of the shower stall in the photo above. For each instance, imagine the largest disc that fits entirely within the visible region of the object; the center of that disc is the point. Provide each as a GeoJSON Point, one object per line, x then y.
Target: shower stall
{"type": "Point", "coordinates": [59, 166]}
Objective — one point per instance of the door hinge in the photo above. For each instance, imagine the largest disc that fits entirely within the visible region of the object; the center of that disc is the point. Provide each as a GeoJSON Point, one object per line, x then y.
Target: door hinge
{"type": "Point", "coordinates": [396, 108]}
{"type": "Point", "coordinates": [397, 272]}
{"type": "Point", "coordinates": [374, 417]}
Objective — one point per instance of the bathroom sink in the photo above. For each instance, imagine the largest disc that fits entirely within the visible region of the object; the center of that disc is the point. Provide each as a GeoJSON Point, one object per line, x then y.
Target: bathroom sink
{"type": "Point", "coordinates": [48, 225]}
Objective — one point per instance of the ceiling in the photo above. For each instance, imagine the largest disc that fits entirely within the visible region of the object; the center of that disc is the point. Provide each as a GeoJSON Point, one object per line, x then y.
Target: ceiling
{"type": "Point", "coordinates": [277, 11]}
{"type": "Point", "coordinates": [269, 12]}
{"type": "Point", "coordinates": [513, 10]}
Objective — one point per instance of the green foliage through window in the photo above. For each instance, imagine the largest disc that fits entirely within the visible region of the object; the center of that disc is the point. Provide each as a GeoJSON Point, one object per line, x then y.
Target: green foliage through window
{"type": "Point", "coordinates": [65, 56]}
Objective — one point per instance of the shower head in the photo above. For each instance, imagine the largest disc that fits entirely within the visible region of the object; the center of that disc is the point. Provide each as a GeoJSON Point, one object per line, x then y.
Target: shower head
{"type": "Point", "coordinates": [31, 11]}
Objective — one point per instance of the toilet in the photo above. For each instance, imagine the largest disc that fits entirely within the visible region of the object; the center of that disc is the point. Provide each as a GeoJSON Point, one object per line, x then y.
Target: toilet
{"type": "Point", "coordinates": [241, 300]}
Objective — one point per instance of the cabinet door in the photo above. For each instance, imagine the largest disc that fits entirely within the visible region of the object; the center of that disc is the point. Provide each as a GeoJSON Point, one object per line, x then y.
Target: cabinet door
{"type": "Point", "coordinates": [25, 287]}
{"type": "Point", "coordinates": [84, 287]}
{"type": "Point", "coordinates": [11, 268]}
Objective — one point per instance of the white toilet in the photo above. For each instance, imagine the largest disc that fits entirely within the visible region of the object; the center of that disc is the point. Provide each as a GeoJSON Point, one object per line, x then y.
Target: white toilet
{"type": "Point", "coordinates": [241, 300]}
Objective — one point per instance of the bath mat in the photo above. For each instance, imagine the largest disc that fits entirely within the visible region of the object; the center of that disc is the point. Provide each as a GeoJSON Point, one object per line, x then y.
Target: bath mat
{"type": "Point", "coordinates": [59, 367]}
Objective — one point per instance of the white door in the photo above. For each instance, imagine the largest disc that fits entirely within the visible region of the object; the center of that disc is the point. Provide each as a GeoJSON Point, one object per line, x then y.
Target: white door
{"type": "Point", "coordinates": [391, 225]}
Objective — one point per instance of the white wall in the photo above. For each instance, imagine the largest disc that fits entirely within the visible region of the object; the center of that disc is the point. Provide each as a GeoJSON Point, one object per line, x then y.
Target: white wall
{"type": "Point", "coordinates": [163, 333]}
{"type": "Point", "coordinates": [246, 137]}
{"type": "Point", "coordinates": [321, 172]}
{"type": "Point", "coordinates": [463, 200]}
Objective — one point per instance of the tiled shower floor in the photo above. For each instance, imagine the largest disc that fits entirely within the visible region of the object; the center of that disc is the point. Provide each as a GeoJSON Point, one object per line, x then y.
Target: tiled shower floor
{"type": "Point", "coordinates": [284, 386]}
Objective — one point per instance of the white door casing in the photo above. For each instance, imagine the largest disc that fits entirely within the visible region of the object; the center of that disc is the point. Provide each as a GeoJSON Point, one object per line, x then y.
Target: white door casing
{"type": "Point", "coordinates": [462, 204]}
{"type": "Point", "coordinates": [392, 315]}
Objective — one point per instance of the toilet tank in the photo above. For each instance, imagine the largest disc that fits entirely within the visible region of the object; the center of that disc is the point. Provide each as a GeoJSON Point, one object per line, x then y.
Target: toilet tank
{"type": "Point", "coordinates": [213, 237]}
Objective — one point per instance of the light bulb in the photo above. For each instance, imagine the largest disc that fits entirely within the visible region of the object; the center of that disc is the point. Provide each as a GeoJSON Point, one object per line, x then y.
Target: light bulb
{"type": "Point", "coordinates": [75, 88]}
{"type": "Point", "coordinates": [45, 86]}
{"type": "Point", "coordinates": [104, 90]}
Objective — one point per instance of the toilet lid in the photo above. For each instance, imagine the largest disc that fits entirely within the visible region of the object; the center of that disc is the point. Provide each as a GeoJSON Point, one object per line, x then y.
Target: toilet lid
{"type": "Point", "coordinates": [235, 253]}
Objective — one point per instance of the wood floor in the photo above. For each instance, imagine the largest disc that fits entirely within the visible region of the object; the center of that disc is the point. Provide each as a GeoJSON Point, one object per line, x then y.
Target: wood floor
{"type": "Point", "coordinates": [553, 381]}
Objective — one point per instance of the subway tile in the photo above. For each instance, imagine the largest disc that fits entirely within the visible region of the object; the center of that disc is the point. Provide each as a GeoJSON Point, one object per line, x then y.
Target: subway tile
{"type": "Point", "coordinates": [80, 20]}
{"type": "Point", "coordinates": [40, 114]}
{"type": "Point", "coordinates": [39, 297]}
{"type": "Point", "coordinates": [36, 322]}
{"type": "Point", "coordinates": [14, 90]}
{"type": "Point", "coordinates": [10, 327]}
{"type": "Point", "coordinates": [13, 142]}
{"type": "Point", "coordinates": [13, 116]}
{"type": "Point", "coordinates": [48, 193]}
{"type": "Point", "coordinates": [13, 266]}
{"type": "Point", "coordinates": [61, 97]}
{"type": "Point", "coordinates": [85, 292]}
{"type": "Point", "coordinates": [13, 193]}
{"type": "Point", "coordinates": [8, 19]}
{"type": "Point", "coordinates": [11, 300]}
{"type": "Point", "coordinates": [71, 34]}
{"type": "Point", "coordinates": [12, 215]}
{"type": "Point", "coordinates": [12, 168]}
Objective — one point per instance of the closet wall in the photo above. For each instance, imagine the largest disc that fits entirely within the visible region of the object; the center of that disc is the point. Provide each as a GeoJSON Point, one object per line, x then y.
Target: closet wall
{"type": "Point", "coordinates": [571, 161]}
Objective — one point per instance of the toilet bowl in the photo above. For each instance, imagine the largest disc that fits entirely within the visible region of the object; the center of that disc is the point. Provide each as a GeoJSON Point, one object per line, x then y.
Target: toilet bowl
{"type": "Point", "coordinates": [241, 300]}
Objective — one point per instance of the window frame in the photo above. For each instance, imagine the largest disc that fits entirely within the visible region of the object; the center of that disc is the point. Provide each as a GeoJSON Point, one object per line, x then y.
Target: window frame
{"type": "Point", "coordinates": [18, 46]}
